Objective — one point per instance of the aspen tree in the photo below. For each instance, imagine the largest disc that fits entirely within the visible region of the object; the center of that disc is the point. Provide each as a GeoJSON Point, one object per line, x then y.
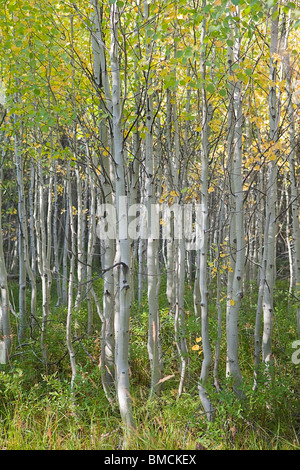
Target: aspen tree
{"type": "Point", "coordinates": [235, 293]}
{"type": "Point", "coordinates": [152, 242]}
{"type": "Point", "coordinates": [294, 193]}
{"type": "Point", "coordinates": [107, 182]}
{"type": "Point", "coordinates": [5, 327]}
{"type": "Point", "coordinates": [203, 236]}
{"type": "Point", "coordinates": [23, 244]}
{"type": "Point", "coordinates": [271, 197]}
{"type": "Point", "coordinates": [56, 262]}
{"type": "Point", "coordinates": [69, 336]}
{"type": "Point", "coordinates": [42, 254]}
{"type": "Point", "coordinates": [21, 238]}
{"type": "Point", "coordinates": [124, 292]}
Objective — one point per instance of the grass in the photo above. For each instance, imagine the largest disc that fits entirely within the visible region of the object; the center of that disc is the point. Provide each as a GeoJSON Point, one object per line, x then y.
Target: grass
{"type": "Point", "coordinates": [38, 411]}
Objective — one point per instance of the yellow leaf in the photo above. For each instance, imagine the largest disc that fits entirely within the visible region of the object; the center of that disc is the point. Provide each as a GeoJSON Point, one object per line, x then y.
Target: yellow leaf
{"type": "Point", "coordinates": [173, 193]}
{"type": "Point", "coordinates": [232, 302]}
{"type": "Point", "coordinates": [211, 189]}
{"type": "Point", "coordinates": [219, 43]}
{"type": "Point", "coordinates": [198, 339]}
{"type": "Point", "coordinates": [196, 347]}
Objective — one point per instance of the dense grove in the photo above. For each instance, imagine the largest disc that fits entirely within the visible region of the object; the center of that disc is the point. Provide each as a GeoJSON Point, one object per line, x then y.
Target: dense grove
{"type": "Point", "coordinates": [149, 229]}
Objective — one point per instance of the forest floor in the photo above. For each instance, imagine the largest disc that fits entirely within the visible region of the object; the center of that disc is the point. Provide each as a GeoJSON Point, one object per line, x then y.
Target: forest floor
{"type": "Point", "coordinates": [38, 411]}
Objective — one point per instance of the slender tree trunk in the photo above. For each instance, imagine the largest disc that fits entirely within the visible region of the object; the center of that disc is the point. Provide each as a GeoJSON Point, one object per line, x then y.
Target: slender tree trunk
{"type": "Point", "coordinates": [69, 336]}
{"type": "Point", "coordinates": [236, 288]}
{"type": "Point", "coordinates": [108, 188]}
{"type": "Point", "coordinates": [152, 243]}
{"type": "Point", "coordinates": [122, 333]}
{"type": "Point", "coordinates": [203, 252]}
{"type": "Point", "coordinates": [271, 198]}
{"type": "Point", "coordinates": [5, 328]}
{"type": "Point", "coordinates": [294, 192]}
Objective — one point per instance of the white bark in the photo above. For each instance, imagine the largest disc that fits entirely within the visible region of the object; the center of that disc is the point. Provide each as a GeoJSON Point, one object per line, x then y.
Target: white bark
{"type": "Point", "coordinates": [294, 192]}
{"type": "Point", "coordinates": [203, 252]}
{"type": "Point", "coordinates": [5, 328]}
{"type": "Point", "coordinates": [122, 334]}
{"type": "Point", "coordinates": [236, 288]}
{"type": "Point", "coordinates": [271, 199]}
{"type": "Point", "coordinates": [69, 337]}
{"type": "Point", "coordinates": [107, 181]}
{"type": "Point", "coordinates": [152, 243]}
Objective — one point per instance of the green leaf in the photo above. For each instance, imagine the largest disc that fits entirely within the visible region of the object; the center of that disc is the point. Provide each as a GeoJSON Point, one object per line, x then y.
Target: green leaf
{"type": "Point", "coordinates": [179, 54]}
{"type": "Point", "coordinates": [188, 52]}
{"type": "Point", "coordinates": [210, 88]}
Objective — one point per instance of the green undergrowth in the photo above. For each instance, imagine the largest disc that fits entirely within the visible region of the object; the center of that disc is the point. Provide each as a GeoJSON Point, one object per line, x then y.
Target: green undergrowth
{"type": "Point", "coordinates": [38, 411]}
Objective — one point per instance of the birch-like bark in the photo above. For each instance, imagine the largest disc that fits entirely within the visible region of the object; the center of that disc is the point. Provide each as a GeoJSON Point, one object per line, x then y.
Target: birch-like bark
{"type": "Point", "coordinates": [42, 254]}
{"type": "Point", "coordinates": [79, 237]}
{"type": "Point", "coordinates": [170, 290]}
{"type": "Point", "coordinates": [23, 245]}
{"type": "Point", "coordinates": [203, 252]}
{"type": "Point", "coordinates": [152, 243]}
{"type": "Point", "coordinates": [23, 320]}
{"type": "Point", "coordinates": [69, 336]}
{"type": "Point", "coordinates": [5, 328]}
{"type": "Point", "coordinates": [107, 182]}
{"type": "Point", "coordinates": [218, 299]}
{"type": "Point", "coordinates": [56, 249]}
{"type": "Point", "coordinates": [236, 288]}
{"type": "Point", "coordinates": [271, 198]}
{"type": "Point", "coordinates": [294, 192]}
{"type": "Point", "coordinates": [122, 333]}
{"type": "Point", "coordinates": [66, 231]}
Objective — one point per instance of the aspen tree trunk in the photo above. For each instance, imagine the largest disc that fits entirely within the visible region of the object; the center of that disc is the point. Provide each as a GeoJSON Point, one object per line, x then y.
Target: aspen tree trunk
{"type": "Point", "coordinates": [122, 333]}
{"type": "Point", "coordinates": [23, 247]}
{"type": "Point", "coordinates": [108, 340]}
{"type": "Point", "coordinates": [42, 253]}
{"type": "Point", "coordinates": [203, 252]}
{"type": "Point", "coordinates": [5, 328]}
{"type": "Point", "coordinates": [32, 241]}
{"type": "Point", "coordinates": [236, 288]}
{"type": "Point", "coordinates": [23, 320]}
{"type": "Point", "coordinates": [65, 246]}
{"type": "Point", "coordinates": [79, 237]}
{"type": "Point", "coordinates": [56, 249]}
{"type": "Point", "coordinates": [90, 246]}
{"type": "Point", "coordinates": [71, 281]}
{"type": "Point", "coordinates": [294, 193]}
{"type": "Point", "coordinates": [152, 243]}
{"type": "Point", "coordinates": [170, 292]}
{"type": "Point", "coordinates": [107, 182]}
{"type": "Point", "coordinates": [218, 299]}
{"type": "Point", "coordinates": [179, 253]}
{"type": "Point", "coordinates": [271, 198]}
